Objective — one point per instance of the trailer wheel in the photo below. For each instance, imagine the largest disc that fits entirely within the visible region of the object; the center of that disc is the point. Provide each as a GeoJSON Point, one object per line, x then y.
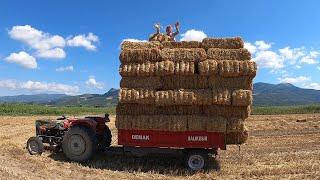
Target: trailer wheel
{"type": "Point", "coordinates": [197, 160]}
{"type": "Point", "coordinates": [35, 146]}
{"type": "Point", "coordinates": [105, 140]}
{"type": "Point", "coordinates": [79, 143]}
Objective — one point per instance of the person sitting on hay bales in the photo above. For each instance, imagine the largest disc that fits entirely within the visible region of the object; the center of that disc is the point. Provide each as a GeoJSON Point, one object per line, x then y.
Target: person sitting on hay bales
{"type": "Point", "coordinates": [169, 36]}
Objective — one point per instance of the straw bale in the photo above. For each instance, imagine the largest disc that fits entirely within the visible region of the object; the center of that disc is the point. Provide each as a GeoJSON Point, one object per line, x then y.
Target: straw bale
{"type": "Point", "coordinates": [152, 82]}
{"type": "Point", "coordinates": [221, 96]}
{"type": "Point", "coordinates": [139, 55]}
{"type": "Point", "coordinates": [203, 97]}
{"type": "Point", "coordinates": [229, 68]}
{"type": "Point", "coordinates": [216, 124]}
{"type": "Point", "coordinates": [140, 96]}
{"type": "Point", "coordinates": [231, 83]}
{"type": "Point", "coordinates": [181, 44]}
{"type": "Point", "coordinates": [185, 82]}
{"type": "Point", "coordinates": [208, 67]}
{"type": "Point", "coordinates": [184, 68]}
{"type": "Point", "coordinates": [237, 68]}
{"type": "Point", "coordinates": [235, 125]}
{"type": "Point", "coordinates": [197, 123]}
{"type": "Point", "coordinates": [237, 137]}
{"type": "Point", "coordinates": [123, 122]}
{"type": "Point", "coordinates": [178, 123]}
{"type": "Point", "coordinates": [227, 111]}
{"type": "Point", "coordinates": [137, 69]}
{"type": "Point", "coordinates": [248, 68]}
{"type": "Point", "coordinates": [241, 97]}
{"type": "Point", "coordinates": [140, 45]}
{"type": "Point", "coordinates": [164, 68]}
{"type": "Point", "coordinates": [228, 54]}
{"type": "Point", "coordinates": [174, 97]}
{"type": "Point", "coordinates": [184, 54]}
{"type": "Point", "coordinates": [136, 109]}
{"type": "Point", "coordinates": [208, 110]}
{"type": "Point", "coordinates": [224, 43]}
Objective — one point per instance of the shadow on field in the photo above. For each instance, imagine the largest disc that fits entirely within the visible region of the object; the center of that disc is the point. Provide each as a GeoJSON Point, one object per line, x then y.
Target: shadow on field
{"type": "Point", "coordinates": [161, 164]}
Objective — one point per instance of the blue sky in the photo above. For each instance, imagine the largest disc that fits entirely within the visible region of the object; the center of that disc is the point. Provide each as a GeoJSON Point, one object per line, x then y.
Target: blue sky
{"type": "Point", "coordinates": [73, 46]}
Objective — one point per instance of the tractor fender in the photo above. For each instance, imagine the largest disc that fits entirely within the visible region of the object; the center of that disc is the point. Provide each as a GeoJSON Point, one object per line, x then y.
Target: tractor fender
{"type": "Point", "coordinates": [83, 122]}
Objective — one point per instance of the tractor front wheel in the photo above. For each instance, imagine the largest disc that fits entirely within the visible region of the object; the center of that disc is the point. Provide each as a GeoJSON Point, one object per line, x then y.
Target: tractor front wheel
{"type": "Point", "coordinates": [79, 143]}
{"type": "Point", "coordinates": [35, 146]}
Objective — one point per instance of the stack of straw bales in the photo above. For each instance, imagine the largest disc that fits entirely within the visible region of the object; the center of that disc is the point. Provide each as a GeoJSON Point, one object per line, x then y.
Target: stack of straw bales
{"type": "Point", "coordinates": [186, 86]}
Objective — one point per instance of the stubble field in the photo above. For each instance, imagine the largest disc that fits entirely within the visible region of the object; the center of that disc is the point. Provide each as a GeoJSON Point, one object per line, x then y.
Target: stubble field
{"type": "Point", "coordinates": [280, 146]}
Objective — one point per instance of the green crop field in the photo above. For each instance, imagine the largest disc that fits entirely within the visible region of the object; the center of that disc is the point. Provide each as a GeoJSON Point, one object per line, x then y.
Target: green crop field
{"type": "Point", "coordinates": [303, 109]}
{"type": "Point", "coordinates": [28, 109]}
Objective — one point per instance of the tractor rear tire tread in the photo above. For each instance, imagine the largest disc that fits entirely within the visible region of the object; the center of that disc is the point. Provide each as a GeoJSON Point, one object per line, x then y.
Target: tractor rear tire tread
{"type": "Point", "coordinates": [88, 135]}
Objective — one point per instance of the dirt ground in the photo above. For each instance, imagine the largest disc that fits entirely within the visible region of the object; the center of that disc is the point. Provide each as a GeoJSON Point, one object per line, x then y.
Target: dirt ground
{"type": "Point", "coordinates": [280, 146]}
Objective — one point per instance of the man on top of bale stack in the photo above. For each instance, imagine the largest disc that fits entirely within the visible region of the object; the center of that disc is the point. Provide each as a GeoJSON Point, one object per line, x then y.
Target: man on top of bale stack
{"type": "Point", "coordinates": [170, 36]}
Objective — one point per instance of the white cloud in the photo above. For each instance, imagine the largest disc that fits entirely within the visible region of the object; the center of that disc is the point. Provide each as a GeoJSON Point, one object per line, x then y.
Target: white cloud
{"type": "Point", "coordinates": [84, 41]}
{"type": "Point", "coordinates": [293, 80]}
{"type": "Point", "coordinates": [36, 38]}
{"type": "Point", "coordinates": [45, 44]}
{"type": "Point", "coordinates": [311, 58]}
{"type": "Point", "coordinates": [251, 48]}
{"type": "Point", "coordinates": [278, 59]}
{"type": "Point", "coordinates": [262, 46]}
{"type": "Point", "coordinates": [10, 84]}
{"type": "Point", "coordinates": [39, 86]}
{"type": "Point", "coordinates": [291, 54]}
{"type": "Point", "coordinates": [65, 69]}
{"type": "Point", "coordinates": [91, 82]}
{"type": "Point", "coordinates": [23, 59]}
{"type": "Point", "coordinates": [56, 53]}
{"type": "Point", "coordinates": [269, 59]}
{"type": "Point", "coordinates": [193, 35]}
{"type": "Point", "coordinates": [313, 85]}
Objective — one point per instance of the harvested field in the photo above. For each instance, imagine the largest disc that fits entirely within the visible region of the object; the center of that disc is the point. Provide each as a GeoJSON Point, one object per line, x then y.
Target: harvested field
{"type": "Point", "coordinates": [279, 147]}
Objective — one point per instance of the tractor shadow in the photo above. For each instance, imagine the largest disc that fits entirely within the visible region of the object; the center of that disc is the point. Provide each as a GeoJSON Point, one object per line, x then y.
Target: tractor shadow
{"type": "Point", "coordinates": [161, 164]}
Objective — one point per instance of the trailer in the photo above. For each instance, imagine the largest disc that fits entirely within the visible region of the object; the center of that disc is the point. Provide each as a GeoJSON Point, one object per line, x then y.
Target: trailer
{"type": "Point", "coordinates": [80, 138]}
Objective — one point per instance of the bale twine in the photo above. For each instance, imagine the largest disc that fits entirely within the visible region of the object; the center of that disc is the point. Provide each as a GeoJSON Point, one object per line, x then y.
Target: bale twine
{"type": "Point", "coordinates": [228, 54]}
{"type": "Point", "coordinates": [224, 43]}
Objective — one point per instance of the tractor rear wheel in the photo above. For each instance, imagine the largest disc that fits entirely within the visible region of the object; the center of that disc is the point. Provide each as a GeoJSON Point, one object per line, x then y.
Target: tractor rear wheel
{"type": "Point", "coordinates": [79, 143]}
{"type": "Point", "coordinates": [104, 139]}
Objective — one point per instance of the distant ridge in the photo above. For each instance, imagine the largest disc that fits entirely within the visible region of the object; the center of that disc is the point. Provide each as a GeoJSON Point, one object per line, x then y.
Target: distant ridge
{"type": "Point", "coordinates": [264, 94]}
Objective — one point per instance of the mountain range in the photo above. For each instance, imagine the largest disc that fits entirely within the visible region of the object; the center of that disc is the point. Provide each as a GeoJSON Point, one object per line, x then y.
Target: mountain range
{"type": "Point", "coordinates": [264, 95]}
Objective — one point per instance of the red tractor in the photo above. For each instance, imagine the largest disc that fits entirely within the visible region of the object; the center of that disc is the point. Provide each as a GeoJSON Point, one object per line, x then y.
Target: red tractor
{"type": "Point", "coordinates": [78, 138]}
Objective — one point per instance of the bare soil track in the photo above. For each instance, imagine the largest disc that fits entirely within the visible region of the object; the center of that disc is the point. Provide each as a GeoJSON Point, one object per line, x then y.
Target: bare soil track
{"type": "Point", "coordinates": [280, 146]}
